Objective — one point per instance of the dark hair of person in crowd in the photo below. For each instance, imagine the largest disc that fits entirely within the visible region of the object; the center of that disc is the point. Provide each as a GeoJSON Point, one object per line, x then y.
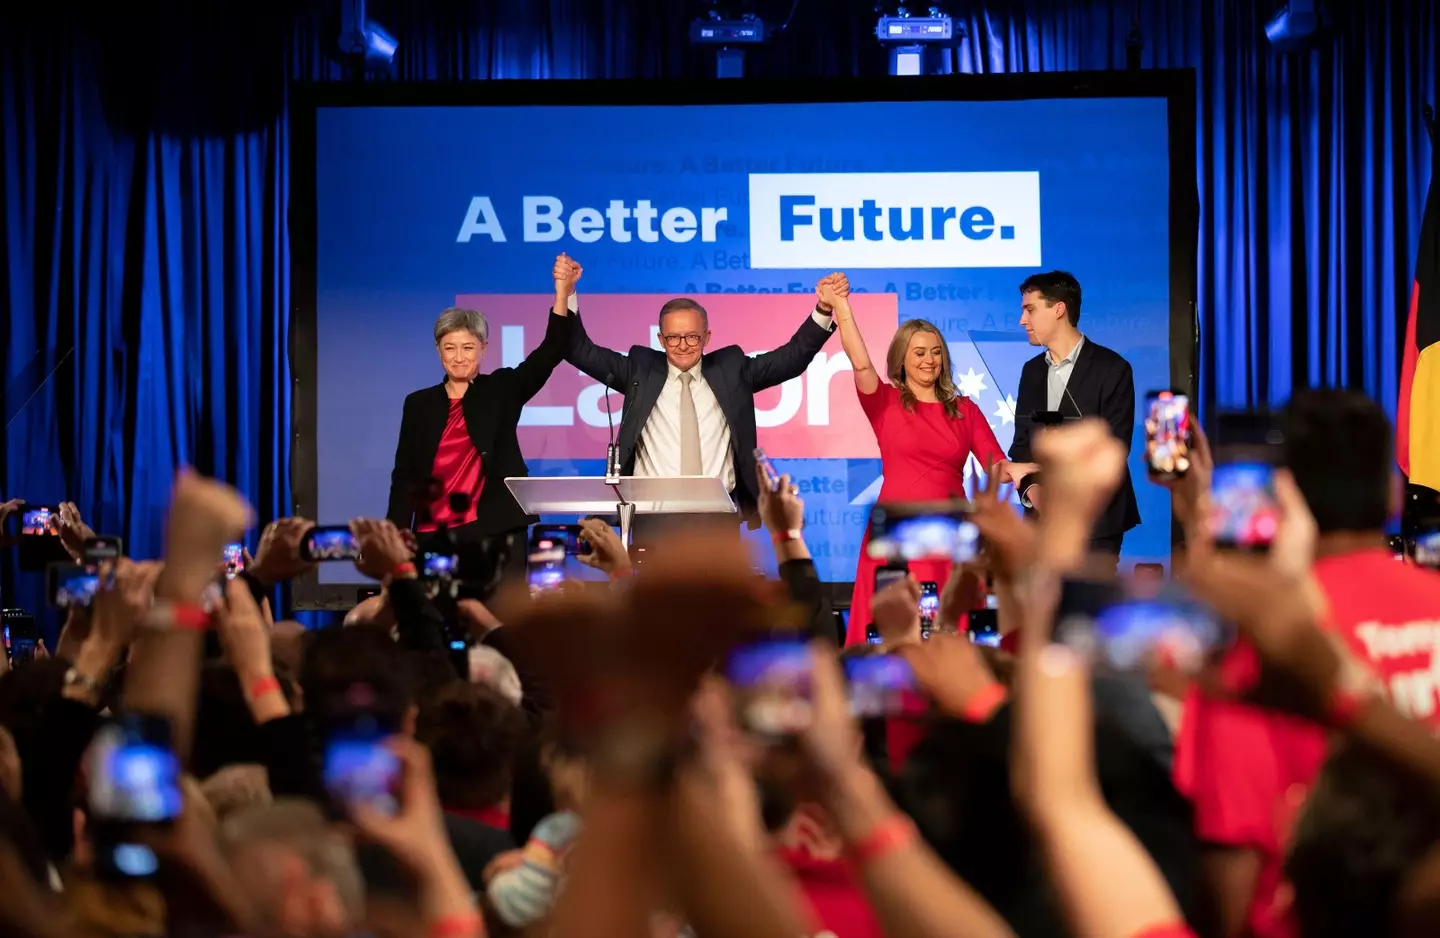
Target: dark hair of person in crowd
{"type": "Point", "coordinates": [347, 670]}
{"type": "Point", "coordinates": [1348, 487]}
{"type": "Point", "coordinates": [474, 735]}
{"type": "Point", "coordinates": [1365, 826]}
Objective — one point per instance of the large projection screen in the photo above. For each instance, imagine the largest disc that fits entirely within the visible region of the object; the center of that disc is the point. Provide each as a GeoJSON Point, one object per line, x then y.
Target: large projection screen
{"type": "Point", "coordinates": [410, 199]}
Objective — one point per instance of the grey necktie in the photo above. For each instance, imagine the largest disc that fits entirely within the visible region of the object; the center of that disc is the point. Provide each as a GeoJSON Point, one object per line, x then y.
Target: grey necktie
{"type": "Point", "coordinates": [690, 464]}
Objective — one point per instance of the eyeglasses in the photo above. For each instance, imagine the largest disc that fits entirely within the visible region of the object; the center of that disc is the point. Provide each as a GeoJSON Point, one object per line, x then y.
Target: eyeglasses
{"type": "Point", "coordinates": [689, 340]}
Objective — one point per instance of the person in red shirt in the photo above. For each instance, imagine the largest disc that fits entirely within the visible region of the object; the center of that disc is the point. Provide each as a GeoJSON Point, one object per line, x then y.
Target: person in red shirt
{"type": "Point", "coordinates": [1250, 769]}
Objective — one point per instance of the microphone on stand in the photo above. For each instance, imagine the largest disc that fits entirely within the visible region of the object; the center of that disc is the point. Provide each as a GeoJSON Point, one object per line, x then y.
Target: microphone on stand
{"type": "Point", "coordinates": [612, 452]}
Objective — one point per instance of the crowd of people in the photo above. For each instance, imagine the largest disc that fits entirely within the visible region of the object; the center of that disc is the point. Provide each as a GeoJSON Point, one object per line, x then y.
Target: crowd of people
{"type": "Point", "coordinates": [584, 769]}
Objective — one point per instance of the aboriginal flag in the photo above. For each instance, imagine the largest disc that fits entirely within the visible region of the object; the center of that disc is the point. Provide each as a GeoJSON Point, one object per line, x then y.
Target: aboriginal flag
{"type": "Point", "coordinates": [1417, 423]}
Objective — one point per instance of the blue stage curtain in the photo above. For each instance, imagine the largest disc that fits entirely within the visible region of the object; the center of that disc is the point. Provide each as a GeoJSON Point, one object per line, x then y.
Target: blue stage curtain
{"type": "Point", "coordinates": [144, 220]}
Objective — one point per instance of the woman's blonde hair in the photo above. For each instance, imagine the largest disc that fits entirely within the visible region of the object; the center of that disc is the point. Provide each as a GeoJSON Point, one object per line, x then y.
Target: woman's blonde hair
{"type": "Point", "coordinates": [945, 391]}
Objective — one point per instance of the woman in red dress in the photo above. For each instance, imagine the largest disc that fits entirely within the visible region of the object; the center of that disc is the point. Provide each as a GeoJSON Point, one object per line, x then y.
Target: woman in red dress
{"type": "Point", "coordinates": [925, 429]}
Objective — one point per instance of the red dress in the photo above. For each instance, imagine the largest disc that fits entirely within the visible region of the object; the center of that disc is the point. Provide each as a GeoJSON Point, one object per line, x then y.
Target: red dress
{"type": "Point", "coordinates": [922, 456]}
{"type": "Point", "coordinates": [460, 471]}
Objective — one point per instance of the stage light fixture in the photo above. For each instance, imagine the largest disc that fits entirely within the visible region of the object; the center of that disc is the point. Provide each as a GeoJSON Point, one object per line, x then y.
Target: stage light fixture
{"type": "Point", "coordinates": [1294, 26]}
{"type": "Point", "coordinates": [363, 39]}
{"type": "Point", "coordinates": [908, 36]}
{"type": "Point", "coordinates": [728, 33]}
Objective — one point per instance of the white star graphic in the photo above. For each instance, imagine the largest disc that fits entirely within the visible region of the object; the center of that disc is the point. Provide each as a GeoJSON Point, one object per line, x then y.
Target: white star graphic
{"type": "Point", "coordinates": [971, 384]}
{"type": "Point", "coordinates": [1005, 410]}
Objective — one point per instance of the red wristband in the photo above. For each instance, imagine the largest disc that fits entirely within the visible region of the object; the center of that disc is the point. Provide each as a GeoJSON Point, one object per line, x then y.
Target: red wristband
{"type": "Point", "coordinates": [789, 534]}
{"type": "Point", "coordinates": [403, 569]}
{"type": "Point", "coordinates": [894, 833]}
{"type": "Point", "coordinates": [622, 572]}
{"type": "Point", "coordinates": [263, 686]}
{"type": "Point", "coordinates": [455, 926]}
{"type": "Point", "coordinates": [189, 618]}
{"type": "Point", "coordinates": [983, 703]}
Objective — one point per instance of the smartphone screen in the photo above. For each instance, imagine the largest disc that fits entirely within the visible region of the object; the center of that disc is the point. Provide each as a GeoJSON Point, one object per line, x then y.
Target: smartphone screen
{"type": "Point", "coordinates": [1244, 512]}
{"type": "Point", "coordinates": [361, 769]}
{"type": "Point", "coordinates": [929, 606]}
{"type": "Point", "coordinates": [935, 531]}
{"type": "Point", "coordinates": [437, 566]}
{"type": "Point", "coordinates": [1173, 630]}
{"type": "Point", "coordinates": [102, 548]}
{"type": "Point", "coordinates": [72, 585]}
{"type": "Point", "coordinates": [984, 627]}
{"type": "Point", "coordinates": [772, 686]}
{"type": "Point", "coordinates": [1167, 434]}
{"type": "Point", "coordinates": [872, 635]}
{"type": "Point", "coordinates": [233, 560]}
{"type": "Point", "coordinates": [40, 521]}
{"type": "Point", "coordinates": [567, 535]}
{"type": "Point", "coordinates": [884, 576]}
{"type": "Point", "coordinates": [329, 542]}
{"type": "Point", "coordinates": [772, 478]}
{"type": "Point", "coordinates": [545, 561]}
{"type": "Point", "coordinates": [134, 773]}
{"type": "Point", "coordinates": [1427, 544]}
{"type": "Point", "coordinates": [882, 686]}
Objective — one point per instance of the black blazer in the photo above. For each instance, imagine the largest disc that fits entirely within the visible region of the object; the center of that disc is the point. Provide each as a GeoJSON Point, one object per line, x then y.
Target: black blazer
{"type": "Point", "coordinates": [732, 375]}
{"type": "Point", "coordinates": [492, 413]}
{"type": "Point", "coordinates": [1102, 384]}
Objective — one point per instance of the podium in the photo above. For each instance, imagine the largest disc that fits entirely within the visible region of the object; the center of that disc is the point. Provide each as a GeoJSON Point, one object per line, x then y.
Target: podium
{"type": "Point", "coordinates": [625, 495]}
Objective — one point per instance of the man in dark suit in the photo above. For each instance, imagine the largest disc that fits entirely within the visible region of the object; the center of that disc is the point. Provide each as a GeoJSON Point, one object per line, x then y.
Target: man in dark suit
{"type": "Point", "coordinates": [1077, 378]}
{"type": "Point", "coordinates": [690, 411]}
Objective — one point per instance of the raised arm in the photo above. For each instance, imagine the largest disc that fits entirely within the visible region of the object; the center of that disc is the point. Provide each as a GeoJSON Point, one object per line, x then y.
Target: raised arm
{"type": "Point", "coordinates": [604, 365]}
{"type": "Point", "coordinates": [834, 291]}
{"type": "Point", "coordinates": [791, 359]}
{"type": "Point", "coordinates": [531, 374]}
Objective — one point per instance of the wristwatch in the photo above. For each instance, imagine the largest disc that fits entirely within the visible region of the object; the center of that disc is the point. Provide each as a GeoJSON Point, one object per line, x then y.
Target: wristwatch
{"type": "Point", "coordinates": [75, 678]}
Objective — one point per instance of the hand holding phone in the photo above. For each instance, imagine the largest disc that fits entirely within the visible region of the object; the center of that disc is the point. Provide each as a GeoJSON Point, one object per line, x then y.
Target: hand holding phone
{"type": "Point", "coordinates": [767, 470]}
{"type": "Point", "coordinates": [772, 687]}
{"type": "Point", "coordinates": [361, 769]}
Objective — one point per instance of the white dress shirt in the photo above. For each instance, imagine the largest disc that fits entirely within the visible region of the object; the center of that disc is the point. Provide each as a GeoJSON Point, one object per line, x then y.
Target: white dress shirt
{"type": "Point", "coordinates": [1057, 377]}
{"type": "Point", "coordinates": [659, 450]}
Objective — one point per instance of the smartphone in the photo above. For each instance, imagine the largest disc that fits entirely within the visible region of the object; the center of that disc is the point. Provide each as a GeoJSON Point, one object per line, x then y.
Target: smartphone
{"type": "Point", "coordinates": [929, 606]}
{"type": "Point", "coordinates": [924, 531]}
{"type": "Point", "coordinates": [40, 521]}
{"type": "Point", "coordinates": [771, 681]}
{"type": "Point", "coordinates": [872, 635]}
{"type": "Point", "coordinates": [984, 627]}
{"type": "Point", "coordinates": [1244, 513]}
{"type": "Point", "coordinates": [329, 542]}
{"type": "Point", "coordinates": [360, 768]}
{"type": "Point", "coordinates": [1167, 434]}
{"type": "Point", "coordinates": [102, 548]}
{"type": "Point", "coordinates": [767, 468]}
{"type": "Point", "coordinates": [22, 637]}
{"type": "Point", "coordinates": [882, 686]}
{"type": "Point", "coordinates": [437, 566]}
{"type": "Point", "coordinates": [71, 585]}
{"type": "Point", "coordinates": [233, 559]}
{"type": "Point", "coordinates": [1427, 544]}
{"type": "Point", "coordinates": [134, 782]}
{"type": "Point", "coordinates": [545, 563]}
{"type": "Point", "coordinates": [566, 534]}
{"type": "Point", "coordinates": [888, 574]}
{"type": "Point", "coordinates": [1170, 628]}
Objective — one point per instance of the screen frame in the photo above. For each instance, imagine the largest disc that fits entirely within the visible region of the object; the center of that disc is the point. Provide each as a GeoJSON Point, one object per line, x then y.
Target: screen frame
{"type": "Point", "coordinates": [1175, 86]}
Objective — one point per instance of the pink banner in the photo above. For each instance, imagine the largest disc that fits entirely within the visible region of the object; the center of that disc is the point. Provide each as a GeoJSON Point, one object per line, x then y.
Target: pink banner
{"type": "Point", "coordinates": [814, 415]}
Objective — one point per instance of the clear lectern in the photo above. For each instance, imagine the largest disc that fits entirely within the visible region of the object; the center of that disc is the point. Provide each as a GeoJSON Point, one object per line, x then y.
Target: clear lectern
{"type": "Point", "coordinates": [625, 495]}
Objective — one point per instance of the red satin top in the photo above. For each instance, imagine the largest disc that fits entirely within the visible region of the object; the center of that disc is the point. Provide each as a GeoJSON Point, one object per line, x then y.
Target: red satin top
{"type": "Point", "coordinates": [457, 466]}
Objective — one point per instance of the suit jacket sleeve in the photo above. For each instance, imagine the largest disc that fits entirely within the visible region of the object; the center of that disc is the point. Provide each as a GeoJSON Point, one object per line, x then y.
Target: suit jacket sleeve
{"type": "Point", "coordinates": [401, 510]}
{"type": "Point", "coordinates": [1117, 402]}
{"type": "Point", "coordinates": [1020, 443]}
{"type": "Point", "coordinates": [530, 375]}
{"type": "Point", "coordinates": [595, 361]}
{"type": "Point", "coordinates": [789, 360]}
